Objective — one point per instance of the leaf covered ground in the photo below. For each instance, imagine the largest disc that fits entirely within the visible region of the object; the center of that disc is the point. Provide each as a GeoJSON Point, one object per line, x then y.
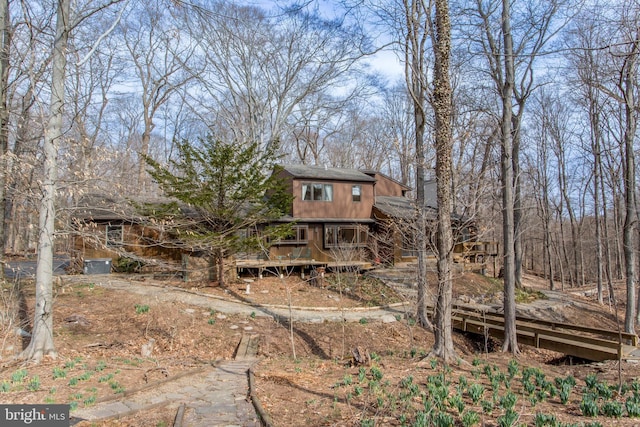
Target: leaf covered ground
{"type": "Point", "coordinates": [111, 342]}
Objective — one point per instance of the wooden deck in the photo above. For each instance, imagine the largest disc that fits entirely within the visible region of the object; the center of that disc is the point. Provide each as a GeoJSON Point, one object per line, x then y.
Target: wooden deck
{"type": "Point", "coordinates": [286, 265]}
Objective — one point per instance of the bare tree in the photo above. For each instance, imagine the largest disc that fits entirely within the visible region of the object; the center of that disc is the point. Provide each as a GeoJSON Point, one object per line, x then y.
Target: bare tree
{"type": "Point", "coordinates": [443, 328]}
{"type": "Point", "coordinates": [162, 62]}
{"type": "Point", "coordinates": [262, 69]}
{"type": "Point", "coordinates": [606, 53]}
{"type": "Point", "coordinates": [627, 87]}
{"type": "Point", "coordinates": [41, 343]}
{"type": "Point", "coordinates": [541, 180]}
{"type": "Point", "coordinates": [507, 177]}
{"type": "Point", "coordinates": [5, 44]}
{"type": "Point", "coordinates": [396, 115]}
{"type": "Point", "coordinates": [416, 36]}
{"type": "Point", "coordinates": [587, 62]}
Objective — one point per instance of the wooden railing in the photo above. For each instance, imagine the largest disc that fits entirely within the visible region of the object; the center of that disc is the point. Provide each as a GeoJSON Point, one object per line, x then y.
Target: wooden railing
{"type": "Point", "coordinates": [588, 343]}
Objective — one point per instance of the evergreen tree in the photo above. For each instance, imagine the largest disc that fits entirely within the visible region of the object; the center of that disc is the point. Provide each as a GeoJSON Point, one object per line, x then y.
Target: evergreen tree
{"type": "Point", "coordinates": [219, 192]}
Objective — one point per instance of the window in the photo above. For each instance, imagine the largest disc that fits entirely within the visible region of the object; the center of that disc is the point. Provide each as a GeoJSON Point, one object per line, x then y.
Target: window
{"type": "Point", "coordinates": [356, 192]}
{"type": "Point", "coordinates": [300, 234]}
{"type": "Point", "coordinates": [409, 247]}
{"type": "Point", "coordinates": [248, 233]}
{"type": "Point", "coordinates": [114, 235]}
{"type": "Point", "coordinates": [315, 191]}
{"type": "Point", "coordinates": [345, 236]}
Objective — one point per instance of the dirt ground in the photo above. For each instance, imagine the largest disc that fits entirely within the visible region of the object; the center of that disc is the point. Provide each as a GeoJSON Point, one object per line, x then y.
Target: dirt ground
{"type": "Point", "coordinates": [110, 343]}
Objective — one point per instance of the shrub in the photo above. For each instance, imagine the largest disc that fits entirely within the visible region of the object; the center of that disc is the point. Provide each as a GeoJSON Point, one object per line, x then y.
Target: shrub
{"type": "Point", "coordinates": [633, 407]}
{"type": "Point", "coordinates": [141, 308]}
{"type": "Point", "coordinates": [18, 376]}
{"type": "Point", "coordinates": [475, 391]}
{"type": "Point", "coordinates": [591, 381]}
{"type": "Point", "coordinates": [487, 406]}
{"type": "Point", "coordinates": [456, 402]}
{"type": "Point", "coordinates": [59, 373]}
{"type": "Point", "coordinates": [470, 418]}
{"type": "Point", "coordinates": [442, 419]}
{"type": "Point", "coordinates": [612, 408]}
{"type": "Point", "coordinates": [588, 406]}
{"type": "Point", "coordinates": [509, 418]}
{"type": "Point", "coordinates": [34, 384]}
{"type": "Point", "coordinates": [127, 265]}
{"type": "Point", "coordinates": [542, 420]}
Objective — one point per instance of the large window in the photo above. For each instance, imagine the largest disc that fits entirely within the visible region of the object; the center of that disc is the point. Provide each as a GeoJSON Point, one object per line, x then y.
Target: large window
{"type": "Point", "coordinates": [317, 191]}
{"type": "Point", "coordinates": [300, 234]}
{"type": "Point", "coordinates": [345, 236]}
{"type": "Point", "coordinates": [114, 235]}
{"type": "Point", "coordinates": [356, 193]}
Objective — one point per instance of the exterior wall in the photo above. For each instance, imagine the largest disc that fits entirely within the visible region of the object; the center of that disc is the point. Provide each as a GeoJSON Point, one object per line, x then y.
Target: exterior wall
{"type": "Point", "coordinates": [90, 242]}
{"type": "Point", "coordinates": [387, 187]}
{"type": "Point", "coordinates": [287, 179]}
{"type": "Point", "coordinates": [342, 205]}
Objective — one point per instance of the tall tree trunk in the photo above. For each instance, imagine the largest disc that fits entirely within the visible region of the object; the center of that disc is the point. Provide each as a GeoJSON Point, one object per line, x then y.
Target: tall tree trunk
{"type": "Point", "coordinates": [563, 258]}
{"type": "Point", "coordinates": [549, 255]}
{"type": "Point", "coordinates": [594, 121]}
{"type": "Point", "coordinates": [145, 142]}
{"type": "Point", "coordinates": [518, 251]}
{"type": "Point", "coordinates": [618, 220]}
{"type": "Point", "coordinates": [416, 16]}
{"type": "Point", "coordinates": [608, 262]}
{"type": "Point", "coordinates": [5, 43]}
{"type": "Point", "coordinates": [628, 82]}
{"type": "Point", "coordinates": [443, 345]}
{"type": "Point", "coordinates": [510, 334]}
{"type": "Point", "coordinates": [42, 335]}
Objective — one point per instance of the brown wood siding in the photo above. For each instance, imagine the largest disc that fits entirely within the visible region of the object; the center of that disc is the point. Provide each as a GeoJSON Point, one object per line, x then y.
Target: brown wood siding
{"type": "Point", "coordinates": [139, 240]}
{"type": "Point", "coordinates": [342, 205]}
{"type": "Point", "coordinates": [287, 179]}
{"type": "Point", "coordinates": [387, 187]}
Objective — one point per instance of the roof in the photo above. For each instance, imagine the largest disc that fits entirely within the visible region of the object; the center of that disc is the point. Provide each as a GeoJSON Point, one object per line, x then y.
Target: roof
{"type": "Point", "coordinates": [106, 207]}
{"type": "Point", "coordinates": [396, 207]}
{"type": "Point", "coordinates": [373, 173]}
{"type": "Point", "coordinates": [405, 208]}
{"type": "Point", "coordinates": [103, 207]}
{"type": "Point", "coordinates": [326, 173]}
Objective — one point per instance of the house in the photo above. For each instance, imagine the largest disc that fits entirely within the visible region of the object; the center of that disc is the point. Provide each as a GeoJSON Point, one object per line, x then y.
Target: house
{"type": "Point", "coordinates": [109, 227]}
{"type": "Point", "coordinates": [339, 217]}
{"type": "Point", "coordinates": [330, 215]}
{"type": "Point", "coordinates": [350, 217]}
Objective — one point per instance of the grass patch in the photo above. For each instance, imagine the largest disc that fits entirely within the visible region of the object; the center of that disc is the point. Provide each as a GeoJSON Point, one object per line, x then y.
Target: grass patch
{"type": "Point", "coordinates": [528, 295]}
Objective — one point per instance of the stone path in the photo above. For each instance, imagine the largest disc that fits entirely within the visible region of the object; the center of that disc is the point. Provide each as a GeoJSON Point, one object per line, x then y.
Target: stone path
{"type": "Point", "coordinates": [210, 397]}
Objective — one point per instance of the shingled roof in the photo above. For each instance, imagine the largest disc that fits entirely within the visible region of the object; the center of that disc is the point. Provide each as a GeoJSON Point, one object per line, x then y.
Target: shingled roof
{"type": "Point", "coordinates": [321, 172]}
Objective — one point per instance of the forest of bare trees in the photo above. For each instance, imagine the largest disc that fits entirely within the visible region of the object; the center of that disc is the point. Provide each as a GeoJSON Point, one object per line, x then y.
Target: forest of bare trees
{"type": "Point", "coordinates": [541, 118]}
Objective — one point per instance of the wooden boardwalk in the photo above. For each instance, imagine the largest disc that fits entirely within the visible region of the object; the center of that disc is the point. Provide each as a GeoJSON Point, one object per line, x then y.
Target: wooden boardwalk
{"type": "Point", "coordinates": [588, 343]}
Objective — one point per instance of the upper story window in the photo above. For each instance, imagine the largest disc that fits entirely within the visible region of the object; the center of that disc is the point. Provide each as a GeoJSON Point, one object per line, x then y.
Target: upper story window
{"type": "Point", "coordinates": [114, 235]}
{"type": "Point", "coordinates": [317, 191]}
{"type": "Point", "coordinates": [356, 193]}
